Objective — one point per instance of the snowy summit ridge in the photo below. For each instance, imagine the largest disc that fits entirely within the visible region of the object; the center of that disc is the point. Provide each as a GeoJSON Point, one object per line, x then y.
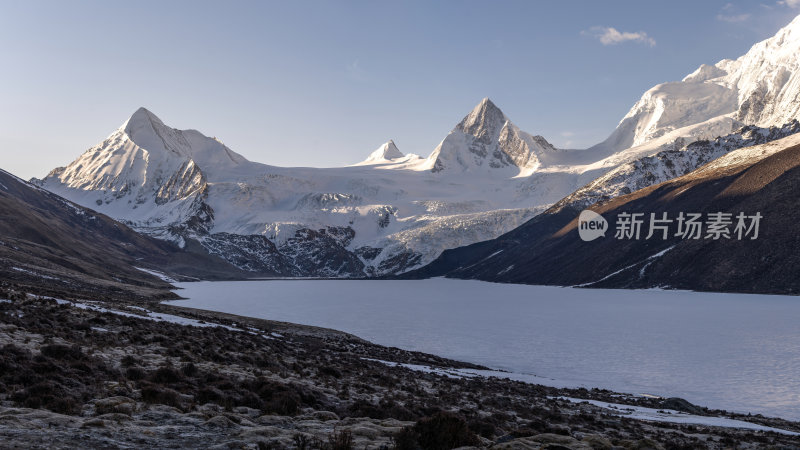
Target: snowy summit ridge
{"type": "Point", "coordinates": [760, 88]}
{"type": "Point", "coordinates": [487, 139]}
{"type": "Point", "coordinates": [386, 214]}
{"type": "Point", "coordinates": [386, 153]}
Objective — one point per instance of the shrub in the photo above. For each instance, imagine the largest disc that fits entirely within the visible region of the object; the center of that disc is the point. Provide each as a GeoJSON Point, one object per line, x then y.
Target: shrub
{"type": "Point", "coordinates": [482, 428]}
{"type": "Point", "coordinates": [62, 352]}
{"type": "Point", "coordinates": [406, 439]}
{"type": "Point", "coordinates": [156, 395]}
{"type": "Point", "coordinates": [49, 395]}
{"type": "Point", "coordinates": [386, 409]}
{"type": "Point", "coordinates": [189, 370]}
{"type": "Point", "coordinates": [283, 399]}
{"type": "Point", "coordinates": [284, 403]}
{"type": "Point", "coordinates": [441, 431]}
{"type": "Point", "coordinates": [330, 371]}
{"type": "Point", "coordinates": [128, 361]}
{"type": "Point", "coordinates": [301, 441]}
{"type": "Point", "coordinates": [209, 395]}
{"type": "Point", "coordinates": [166, 375]}
{"type": "Point", "coordinates": [135, 373]}
{"type": "Point", "coordinates": [342, 440]}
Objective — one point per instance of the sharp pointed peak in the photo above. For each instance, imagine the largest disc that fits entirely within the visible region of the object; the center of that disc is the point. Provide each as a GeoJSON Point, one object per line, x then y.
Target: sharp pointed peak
{"type": "Point", "coordinates": [141, 116]}
{"type": "Point", "coordinates": [142, 111]}
{"type": "Point", "coordinates": [486, 101]}
{"type": "Point", "coordinates": [485, 114]}
{"type": "Point", "coordinates": [486, 104]}
{"type": "Point", "coordinates": [388, 150]}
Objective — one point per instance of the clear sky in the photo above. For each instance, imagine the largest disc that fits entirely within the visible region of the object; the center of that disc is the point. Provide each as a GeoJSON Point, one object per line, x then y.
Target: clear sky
{"type": "Point", "coordinates": [323, 83]}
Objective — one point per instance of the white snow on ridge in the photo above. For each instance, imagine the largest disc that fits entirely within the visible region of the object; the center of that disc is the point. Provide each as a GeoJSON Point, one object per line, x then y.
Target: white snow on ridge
{"type": "Point", "coordinates": [760, 88]}
{"type": "Point", "coordinates": [394, 202]}
{"type": "Point", "coordinates": [158, 179]}
{"type": "Point", "coordinates": [486, 178]}
{"type": "Point", "coordinates": [750, 155]}
{"type": "Point", "coordinates": [629, 411]}
{"type": "Point", "coordinates": [146, 314]}
{"type": "Point", "coordinates": [36, 274]}
{"type": "Point", "coordinates": [388, 153]}
{"type": "Point", "coordinates": [161, 275]}
{"type": "Point", "coordinates": [672, 416]}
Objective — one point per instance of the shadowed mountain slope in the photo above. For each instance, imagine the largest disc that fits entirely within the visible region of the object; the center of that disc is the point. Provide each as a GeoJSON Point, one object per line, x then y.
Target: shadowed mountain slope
{"type": "Point", "coordinates": [52, 245]}
{"type": "Point", "coordinates": [763, 179]}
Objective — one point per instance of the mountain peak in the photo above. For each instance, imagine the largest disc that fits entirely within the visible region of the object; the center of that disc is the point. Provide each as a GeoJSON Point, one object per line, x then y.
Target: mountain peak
{"type": "Point", "coordinates": [142, 110]}
{"type": "Point", "coordinates": [759, 88]}
{"type": "Point", "coordinates": [486, 139]}
{"type": "Point", "coordinates": [795, 23]}
{"type": "Point", "coordinates": [485, 115]}
{"type": "Point", "coordinates": [147, 131]}
{"type": "Point", "coordinates": [386, 152]}
{"type": "Point", "coordinates": [390, 150]}
{"type": "Point", "coordinates": [704, 73]}
{"type": "Point", "coordinates": [141, 117]}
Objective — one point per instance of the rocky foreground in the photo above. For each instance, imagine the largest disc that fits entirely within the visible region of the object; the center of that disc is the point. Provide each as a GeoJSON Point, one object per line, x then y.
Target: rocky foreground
{"type": "Point", "coordinates": [104, 375]}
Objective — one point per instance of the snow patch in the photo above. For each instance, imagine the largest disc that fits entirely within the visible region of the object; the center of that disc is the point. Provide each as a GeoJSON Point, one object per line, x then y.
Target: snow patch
{"type": "Point", "coordinates": [649, 258]}
{"type": "Point", "coordinates": [631, 412]}
{"type": "Point", "coordinates": [161, 275]}
{"type": "Point", "coordinates": [30, 272]}
{"type": "Point", "coordinates": [147, 315]}
{"type": "Point", "coordinates": [672, 416]}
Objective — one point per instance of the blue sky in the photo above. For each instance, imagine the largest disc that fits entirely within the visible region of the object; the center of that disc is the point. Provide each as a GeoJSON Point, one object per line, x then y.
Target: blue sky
{"type": "Point", "coordinates": [323, 83]}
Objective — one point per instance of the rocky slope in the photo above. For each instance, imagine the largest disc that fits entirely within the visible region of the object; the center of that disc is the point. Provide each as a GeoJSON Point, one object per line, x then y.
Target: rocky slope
{"type": "Point", "coordinates": [48, 241]}
{"type": "Point", "coordinates": [759, 180]}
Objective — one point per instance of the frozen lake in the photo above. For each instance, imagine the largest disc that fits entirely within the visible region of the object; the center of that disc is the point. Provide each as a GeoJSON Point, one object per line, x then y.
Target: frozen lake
{"type": "Point", "coordinates": [727, 351]}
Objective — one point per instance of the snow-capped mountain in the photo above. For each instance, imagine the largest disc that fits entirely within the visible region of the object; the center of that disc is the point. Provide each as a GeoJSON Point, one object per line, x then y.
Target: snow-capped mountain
{"type": "Point", "coordinates": [760, 88]}
{"type": "Point", "coordinates": [486, 139]}
{"type": "Point", "coordinates": [394, 211]}
{"type": "Point", "coordinates": [384, 215]}
{"type": "Point", "coordinates": [668, 164]}
{"type": "Point", "coordinates": [387, 153]}
{"type": "Point", "coordinates": [148, 174]}
{"type": "Point", "coordinates": [756, 181]}
{"type": "Point", "coordinates": [54, 245]}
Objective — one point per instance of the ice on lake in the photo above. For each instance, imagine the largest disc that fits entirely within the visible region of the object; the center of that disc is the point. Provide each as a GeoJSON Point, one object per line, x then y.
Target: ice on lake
{"type": "Point", "coordinates": [727, 351]}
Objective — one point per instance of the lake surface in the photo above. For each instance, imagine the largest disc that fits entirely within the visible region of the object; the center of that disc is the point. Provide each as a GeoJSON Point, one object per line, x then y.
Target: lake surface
{"type": "Point", "coordinates": [727, 351]}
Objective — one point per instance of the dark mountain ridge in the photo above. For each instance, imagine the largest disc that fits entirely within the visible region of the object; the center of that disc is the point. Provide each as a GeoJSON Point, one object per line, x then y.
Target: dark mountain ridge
{"type": "Point", "coordinates": [51, 245]}
{"type": "Point", "coordinates": [548, 250]}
